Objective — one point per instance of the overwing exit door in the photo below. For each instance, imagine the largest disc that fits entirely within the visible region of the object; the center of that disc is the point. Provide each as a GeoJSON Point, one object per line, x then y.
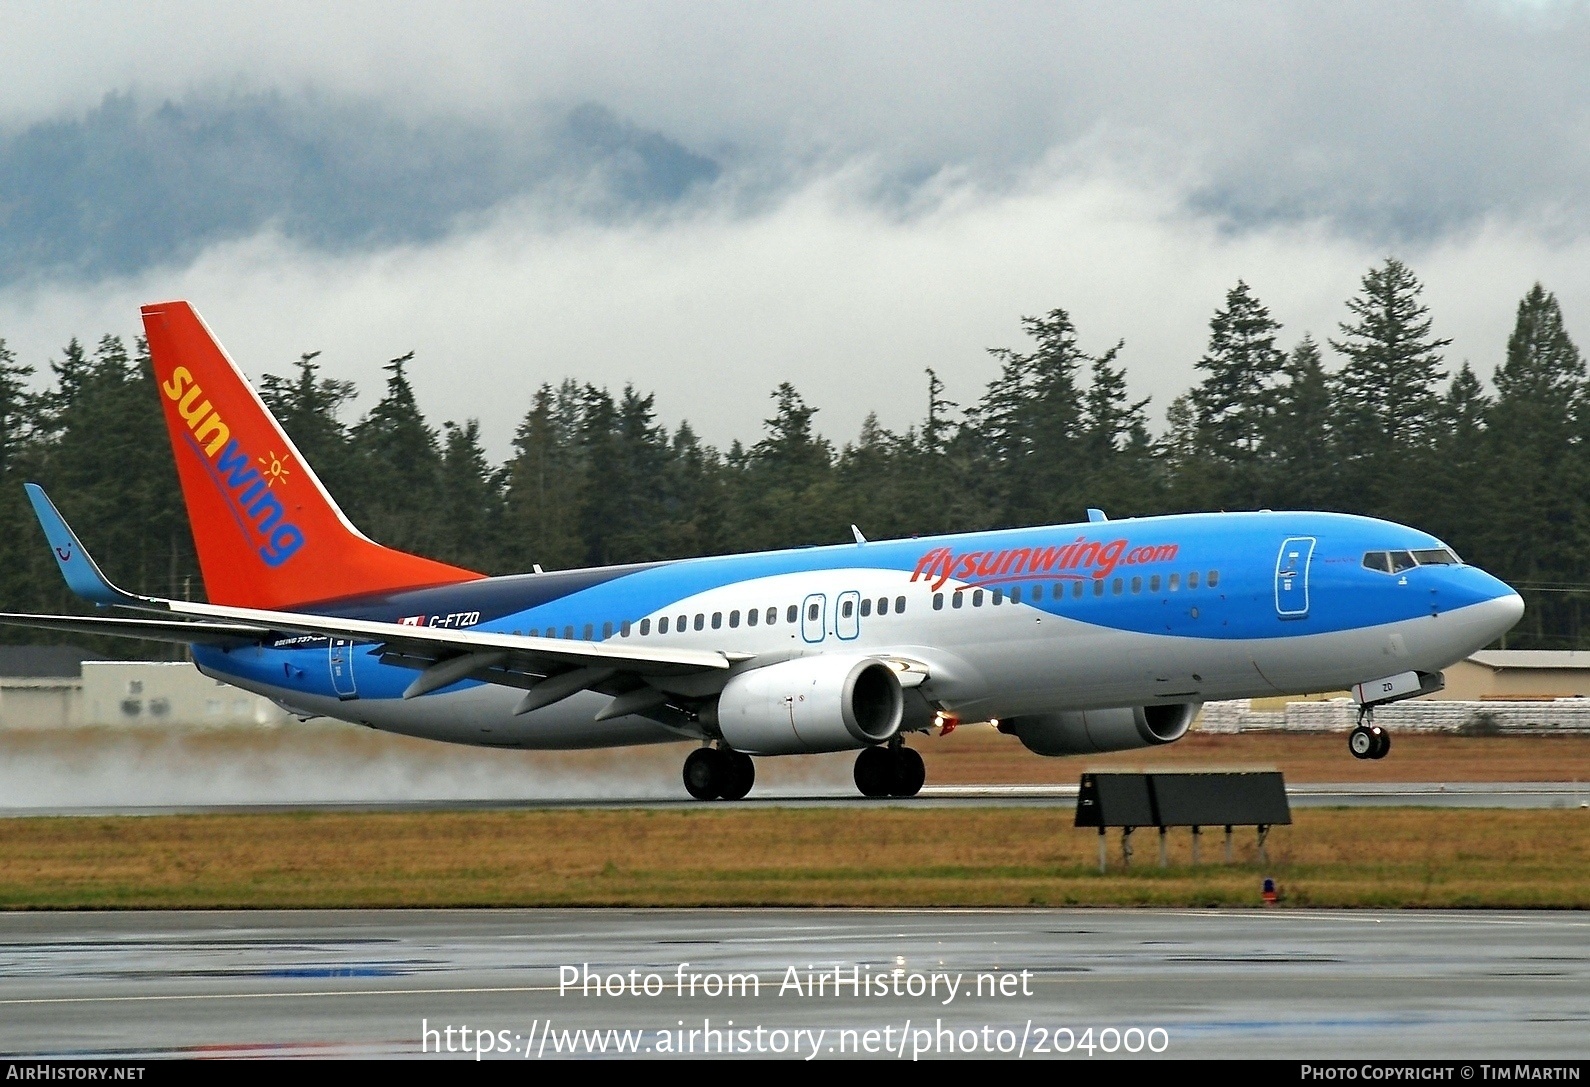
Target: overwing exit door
{"type": "Point", "coordinates": [814, 617]}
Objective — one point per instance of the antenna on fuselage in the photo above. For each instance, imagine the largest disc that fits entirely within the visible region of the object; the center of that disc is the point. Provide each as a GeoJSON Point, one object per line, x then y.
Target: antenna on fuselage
{"type": "Point", "coordinates": [856, 532]}
{"type": "Point", "coordinates": [1097, 515]}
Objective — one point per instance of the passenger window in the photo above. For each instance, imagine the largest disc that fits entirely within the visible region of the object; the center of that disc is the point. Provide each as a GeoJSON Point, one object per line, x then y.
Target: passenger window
{"type": "Point", "coordinates": [813, 612]}
{"type": "Point", "coordinates": [977, 598]}
{"type": "Point", "coordinates": [845, 609]}
{"type": "Point", "coordinates": [866, 607]}
{"type": "Point", "coordinates": [607, 630]}
{"type": "Point", "coordinates": [998, 596]}
{"type": "Point", "coordinates": [662, 626]}
{"type": "Point", "coordinates": [568, 632]}
{"type": "Point", "coordinates": [1098, 587]}
{"type": "Point", "coordinates": [681, 624]}
{"type": "Point", "coordinates": [1117, 586]}
{"type": "Point", "coordinates": [1137, 584]}
{"type": "Point", "coordinates": [590, 631]}
{"type": "Point", "coordinates": [751, 617]}
{"type": "Point", "coordinates": [790, 613]}
{"type": "Point", "coordinates": [1153, 584]}
{"type": "Point", "coordinates": [1076, 590]}
{"type": "Point", "coordinates": [1400, 561]}
{"type": "Point", "coordinates": [717, 620]}
{"type": "Point", "coordinates": [535, 632]}
{"type": "Point", "coordinates": [883, 606]}
{"type": "Point", "coordinates": [1213, 579]}
{"type": "Point", "coordinates": [1015, 595]}
{"type": "Point", "coordinates": [701, 620]}
{"type": "Point", "coordinates": [899, 605]}
{"type": "Point", "coordinates": [1175, 582]}
{"type": "Point", "coordinates": [734, 619]}
{"type": "Point", "coordinates": [1037, 592]}
{"type": "Point", "coordinates": [645, 627]}
{"type": "Point", "coordinates": [1192, 579]}
{"type": "Point", "coordinates": [623, 629]}
{"type": "Point", "coordinates": [957, 598]}
{"type": "Point", "coordinates": [938, 601]}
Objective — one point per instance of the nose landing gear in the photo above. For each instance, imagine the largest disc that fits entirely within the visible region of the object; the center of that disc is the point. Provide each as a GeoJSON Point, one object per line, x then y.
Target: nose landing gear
{"type": "Point", "coordinates": [1368, 740]}
{"type": "Point", "coordinates": [719, 773]}
{"type": "Point", "coordinates": [895, 770]}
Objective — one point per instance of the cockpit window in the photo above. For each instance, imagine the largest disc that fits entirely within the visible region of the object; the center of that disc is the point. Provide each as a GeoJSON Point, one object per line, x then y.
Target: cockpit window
{"type": "Point", "coordinates": [1395, 562]}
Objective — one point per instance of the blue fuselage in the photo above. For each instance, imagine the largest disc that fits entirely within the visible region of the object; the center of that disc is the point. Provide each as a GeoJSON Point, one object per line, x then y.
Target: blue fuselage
{"type": "Point", "coordinates": [1179, 608]}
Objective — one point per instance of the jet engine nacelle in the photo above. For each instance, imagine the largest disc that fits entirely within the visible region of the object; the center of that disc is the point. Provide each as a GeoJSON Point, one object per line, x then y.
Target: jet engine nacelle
{"type": "Point", "coordinates": [824, 703]}
{"type": "Point", "coordinates": [1090, 732]}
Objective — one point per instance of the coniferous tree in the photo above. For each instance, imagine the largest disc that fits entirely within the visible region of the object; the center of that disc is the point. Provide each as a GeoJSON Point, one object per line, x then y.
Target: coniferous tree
{"type": "Point", "coordinates": [542, 508]}
{"type": "Point", "coordinates": [1119, 457]}
{"type": "Point", "coordinates": [1386, 395]}
{"type": "Point", "coordinates": [1233, 403]}
{"type": "Point", "coordinates": [471, 501]}
{"type": "Point", "coordinates": [1031, 421]}
{"type": "Point", "coordinates": [783, 491]}
{"type": "Point", "coordinates": [398, 465]}
{"type": "Point", "coordinates": [1300, 438]}
{"type": "Point", "coordinates": [1539, 529]}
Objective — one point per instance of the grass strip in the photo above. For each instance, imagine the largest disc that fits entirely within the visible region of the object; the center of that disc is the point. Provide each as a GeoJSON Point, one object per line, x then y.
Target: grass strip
{"type": "Point", "coordinates": [1383, 857]}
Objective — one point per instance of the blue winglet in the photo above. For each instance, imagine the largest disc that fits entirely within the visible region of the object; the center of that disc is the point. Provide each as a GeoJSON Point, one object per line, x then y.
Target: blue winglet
{"type": "Point", "coordinates": [82, 573]}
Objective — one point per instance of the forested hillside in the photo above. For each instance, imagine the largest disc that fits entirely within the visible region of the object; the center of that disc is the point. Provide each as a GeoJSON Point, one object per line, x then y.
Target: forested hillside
{"type": "Point", "coordinates": [1373, 420]}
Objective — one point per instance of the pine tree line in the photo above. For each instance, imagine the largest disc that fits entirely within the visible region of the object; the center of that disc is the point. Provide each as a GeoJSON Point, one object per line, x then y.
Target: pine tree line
{"type": "Point", "coordinates": [594, 478]}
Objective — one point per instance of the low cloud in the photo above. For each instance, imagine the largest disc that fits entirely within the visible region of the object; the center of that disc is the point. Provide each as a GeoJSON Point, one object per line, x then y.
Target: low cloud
{"type": "Point", "coordinates": [849, 299]}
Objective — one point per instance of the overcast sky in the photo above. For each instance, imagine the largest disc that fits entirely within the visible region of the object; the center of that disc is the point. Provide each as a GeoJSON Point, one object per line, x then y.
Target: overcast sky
{"type": "Point", "coordinates": [894, 186]}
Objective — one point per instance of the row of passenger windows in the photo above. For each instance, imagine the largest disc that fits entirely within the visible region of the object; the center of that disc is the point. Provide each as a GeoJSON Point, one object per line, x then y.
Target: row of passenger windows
{"type": "Point", "coordinates": [752, 617]}
{"type": "Point", "coordinates": [867, 607]}
{"type": "Point", "coordinates": [1395, 562]}
{"type": "Point", "coordinates": [1057, 591]}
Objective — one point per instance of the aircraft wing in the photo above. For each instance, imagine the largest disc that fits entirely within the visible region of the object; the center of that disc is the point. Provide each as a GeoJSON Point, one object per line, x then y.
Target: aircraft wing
{"type": "Point", "coordinates": [181, 631]}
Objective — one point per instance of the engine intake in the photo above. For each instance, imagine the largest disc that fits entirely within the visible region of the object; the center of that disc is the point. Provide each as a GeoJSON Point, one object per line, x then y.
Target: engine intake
{"type": "Point", "coordinates": [811, 704]}
{"type": "Point", "coordinates": [1092, 732]}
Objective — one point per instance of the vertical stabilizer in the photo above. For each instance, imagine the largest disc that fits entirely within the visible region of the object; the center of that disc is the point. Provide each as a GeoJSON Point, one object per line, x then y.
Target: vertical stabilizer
{"type": "Point", "coordinates": [267, 533]}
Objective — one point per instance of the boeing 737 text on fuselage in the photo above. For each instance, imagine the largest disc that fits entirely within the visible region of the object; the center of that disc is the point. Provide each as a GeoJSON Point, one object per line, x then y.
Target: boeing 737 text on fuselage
{"type": "Point", "coordinates": [1098, 636]}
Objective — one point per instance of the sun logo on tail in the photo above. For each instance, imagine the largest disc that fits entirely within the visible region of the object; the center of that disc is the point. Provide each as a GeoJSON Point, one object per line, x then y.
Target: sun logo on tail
{"type": "Point", "coordinates": [274, 468]}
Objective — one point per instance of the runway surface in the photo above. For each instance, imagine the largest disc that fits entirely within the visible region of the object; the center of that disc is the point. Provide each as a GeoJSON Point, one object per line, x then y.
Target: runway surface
{"type": "Point", "coordinates": [1462, 794]}
{"type": "Point", "coordinates": [1193, 983]}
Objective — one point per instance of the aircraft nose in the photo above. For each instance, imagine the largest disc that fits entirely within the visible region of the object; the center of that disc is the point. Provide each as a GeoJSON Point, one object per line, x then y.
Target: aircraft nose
{"type": "Point", "coordinates": [1502, 612]}
{"type": "Point", "coordinates": [1512, 610]}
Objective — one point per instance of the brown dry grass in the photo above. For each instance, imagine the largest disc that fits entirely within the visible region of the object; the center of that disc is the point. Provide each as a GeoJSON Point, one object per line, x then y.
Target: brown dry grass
{"type": "Point", "coordinates": [877, 856]}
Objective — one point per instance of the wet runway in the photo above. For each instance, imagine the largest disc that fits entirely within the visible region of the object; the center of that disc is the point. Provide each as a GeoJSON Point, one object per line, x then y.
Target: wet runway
{"type": "Point", "coordinates": [1461, 794]}
{"type": "Point", "coordinates": [1279, 983]}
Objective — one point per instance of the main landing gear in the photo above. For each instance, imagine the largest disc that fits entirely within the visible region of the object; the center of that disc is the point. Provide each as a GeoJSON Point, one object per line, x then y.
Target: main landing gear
{"type": "Point", "coordinates": [1368, 740]}
{"type": "Point", "coordinates": [894, 770]}
{"type": "Point", "coordinates": [719, 773]}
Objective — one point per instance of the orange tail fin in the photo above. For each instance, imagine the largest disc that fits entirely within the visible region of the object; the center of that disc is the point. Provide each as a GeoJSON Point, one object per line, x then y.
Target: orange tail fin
{"type": "Point", "coordinates": [268, 534]}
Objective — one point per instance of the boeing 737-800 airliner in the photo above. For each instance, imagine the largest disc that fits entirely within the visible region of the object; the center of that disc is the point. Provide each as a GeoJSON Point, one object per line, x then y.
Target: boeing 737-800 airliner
{"type": "Point", "coordinates": [1098, 636]}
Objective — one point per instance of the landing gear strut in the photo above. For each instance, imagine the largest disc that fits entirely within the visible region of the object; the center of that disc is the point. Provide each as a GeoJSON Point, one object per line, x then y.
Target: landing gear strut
{"type": "Point", "coordinates": [1368, 740]}
{"type": "Point", "coordinates": [719, 773]}
{"type": "Point", "coordinates": [895, 770]}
